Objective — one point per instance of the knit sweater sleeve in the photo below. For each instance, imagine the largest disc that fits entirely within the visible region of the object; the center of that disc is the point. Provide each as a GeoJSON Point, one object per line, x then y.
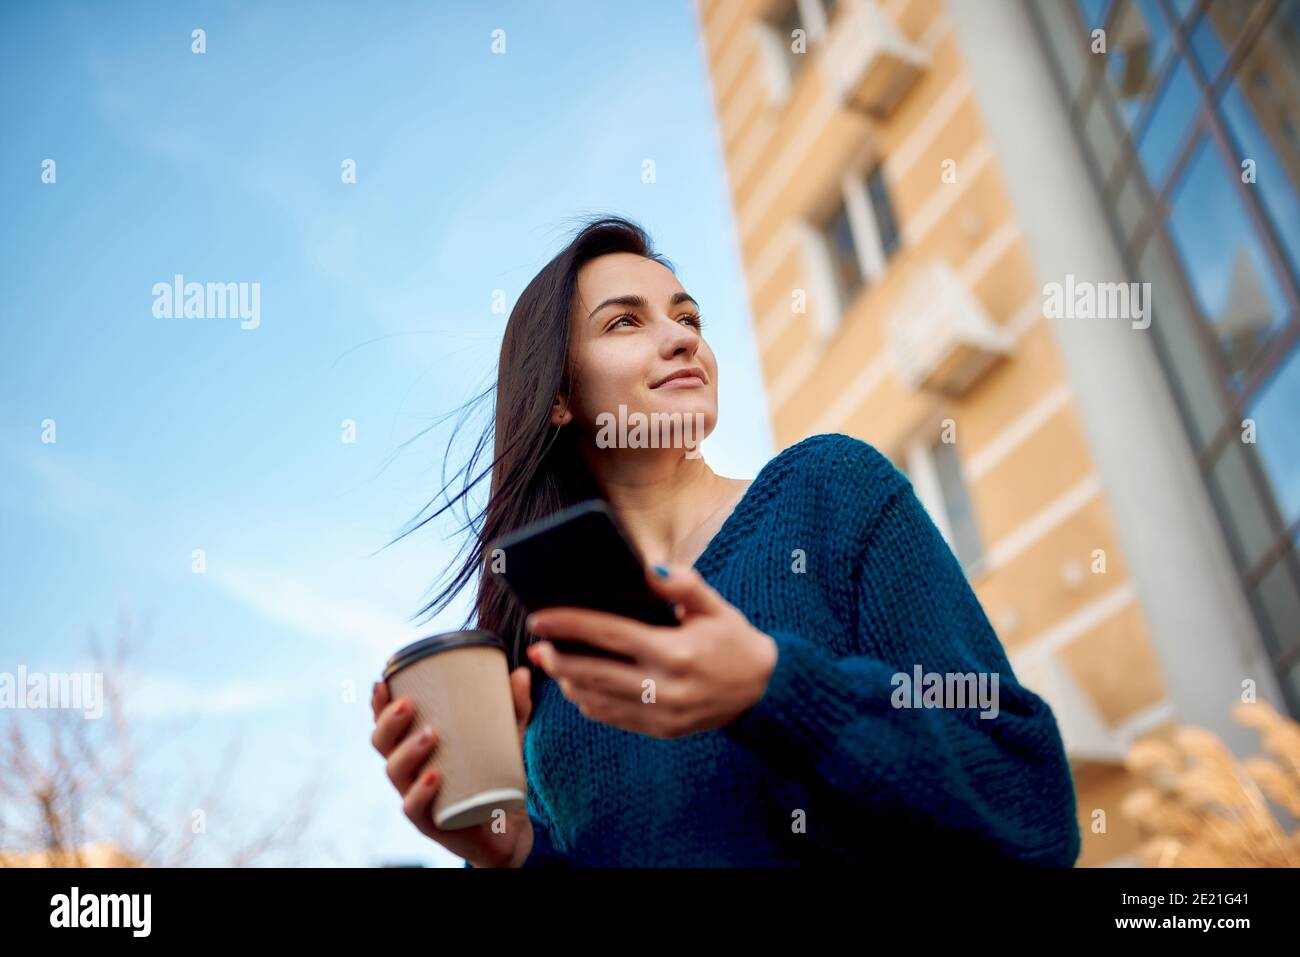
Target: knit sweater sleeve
{"type": "Point", "coordinates": [544, 852]}
{"type": "Point", "coordinates": [996, 776]}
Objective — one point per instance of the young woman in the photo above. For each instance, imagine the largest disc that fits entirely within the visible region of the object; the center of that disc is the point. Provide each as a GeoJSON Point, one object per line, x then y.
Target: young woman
{"type": "Point", "coordinates": [804, 709]}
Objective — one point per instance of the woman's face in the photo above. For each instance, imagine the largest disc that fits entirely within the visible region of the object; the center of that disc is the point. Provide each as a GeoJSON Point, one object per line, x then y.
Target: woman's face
{"type": "Point", "coordinates": [633, 326]}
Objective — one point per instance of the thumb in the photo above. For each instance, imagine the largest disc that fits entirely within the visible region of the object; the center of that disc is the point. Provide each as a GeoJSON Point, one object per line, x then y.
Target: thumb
{"type": "Point", "coordinates": [685, 586]}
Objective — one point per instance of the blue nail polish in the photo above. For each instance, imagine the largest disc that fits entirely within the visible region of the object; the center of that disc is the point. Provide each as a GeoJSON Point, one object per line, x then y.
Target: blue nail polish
{"type": "Point", "coordinates": [661, 571]}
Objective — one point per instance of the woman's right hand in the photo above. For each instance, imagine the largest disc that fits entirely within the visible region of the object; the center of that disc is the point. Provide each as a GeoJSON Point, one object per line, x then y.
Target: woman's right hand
{"type": "Point", "coordinates": [406, 752]}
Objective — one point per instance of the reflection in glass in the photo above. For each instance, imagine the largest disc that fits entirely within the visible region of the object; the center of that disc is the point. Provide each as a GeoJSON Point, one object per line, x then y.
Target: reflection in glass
{"type": "Point", "coordinates": [1093, 12]}
{"type": "Point", "coordinates": [1103, 136]}
{"type": "Point", "coordinates": [1224, 262]}
{"type": "Point", "coordinates": [1132, 204]}
{"type": "Point", "coordinates": [1275, 409]}
{"type": "Point", "coordinates": [1174, 322]}
{"type": "Point", "coordinates": [1262, 109]}
{"type": "Point", "coordinates": [1165, 133]}
{"type": "Point", "coordinates": [1251, 531]}
{"type": "Point", "coordinates": [1216, 33]}
{"type": "Point", "coordinates": [1277, 602]}
{"type": "Point", "coordinates": [1136, 47]}
{"type": "Point", "coordinates": [1291, 687]}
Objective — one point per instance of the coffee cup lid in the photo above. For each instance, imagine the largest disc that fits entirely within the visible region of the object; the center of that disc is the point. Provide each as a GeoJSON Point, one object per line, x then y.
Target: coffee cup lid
{"type": "Point", "coordinates": [441, 642]}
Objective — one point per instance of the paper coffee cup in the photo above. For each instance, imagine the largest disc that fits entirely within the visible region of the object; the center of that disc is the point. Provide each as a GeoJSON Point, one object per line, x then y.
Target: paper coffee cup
{"type": "Point", "coordinates": [459, 682]}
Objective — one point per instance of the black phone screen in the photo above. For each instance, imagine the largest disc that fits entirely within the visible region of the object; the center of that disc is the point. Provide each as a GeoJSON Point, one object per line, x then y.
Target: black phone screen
{"type": "Point", "coordinates": [579, 556]}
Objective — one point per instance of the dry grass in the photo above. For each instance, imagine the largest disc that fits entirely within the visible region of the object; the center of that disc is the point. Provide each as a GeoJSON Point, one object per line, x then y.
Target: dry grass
{"type": "Point", "coordinates": [1203, 808]}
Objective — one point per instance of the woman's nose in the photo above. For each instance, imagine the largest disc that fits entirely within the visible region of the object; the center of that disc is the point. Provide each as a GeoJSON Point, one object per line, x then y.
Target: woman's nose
{"type": "Point", "coordinates": [680, 338]}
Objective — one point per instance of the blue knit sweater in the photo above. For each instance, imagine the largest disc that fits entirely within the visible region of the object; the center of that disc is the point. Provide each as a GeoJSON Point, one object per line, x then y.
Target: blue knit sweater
{"type": "Point", "coordinates": [830, 553]}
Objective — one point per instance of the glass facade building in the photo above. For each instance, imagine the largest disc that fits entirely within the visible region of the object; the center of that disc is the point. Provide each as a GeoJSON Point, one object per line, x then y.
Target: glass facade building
{"type": "Point", "coordinates": [1188, 112]}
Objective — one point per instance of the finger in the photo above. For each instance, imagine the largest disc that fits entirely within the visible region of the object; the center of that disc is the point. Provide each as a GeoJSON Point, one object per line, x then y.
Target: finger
{"type": "Point", "coordinates": [407, 758]}
{"type": "Point", "coordinates": [592, 674]}
{"type": "Point", "coordinates": [379, 697]}
{"type": "Point", "coordinates": [614, 632]}
{"type": "Point", "coordinates": [392, 724]}
{"type": "Point", "coordinates": [611, 710]}
{"type": "Point", "coordinates": [685, 586]}
{"type": "Point", "coordinates": [418, 797]}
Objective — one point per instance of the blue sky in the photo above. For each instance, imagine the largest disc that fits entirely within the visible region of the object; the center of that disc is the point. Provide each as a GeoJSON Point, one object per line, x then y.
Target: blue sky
{"type": "Point", "coordinates": [175, 435]}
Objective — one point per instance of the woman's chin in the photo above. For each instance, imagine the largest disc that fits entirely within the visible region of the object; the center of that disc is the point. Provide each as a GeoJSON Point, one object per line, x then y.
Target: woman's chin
{"type": "Point", "coordinates": [682, 402]}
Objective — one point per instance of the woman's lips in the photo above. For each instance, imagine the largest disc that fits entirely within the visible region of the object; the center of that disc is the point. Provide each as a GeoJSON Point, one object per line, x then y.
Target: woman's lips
{"type": "Point", "coordinates": [682, 382]}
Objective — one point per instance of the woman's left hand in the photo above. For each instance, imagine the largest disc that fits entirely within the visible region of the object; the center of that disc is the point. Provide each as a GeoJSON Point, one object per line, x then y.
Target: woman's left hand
{"type": "Point", "coordinates": [704, 673]}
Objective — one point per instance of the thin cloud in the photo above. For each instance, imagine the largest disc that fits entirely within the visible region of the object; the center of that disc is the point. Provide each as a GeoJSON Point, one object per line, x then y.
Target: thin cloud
{"type": "Point", "coordinates": [308, 610]}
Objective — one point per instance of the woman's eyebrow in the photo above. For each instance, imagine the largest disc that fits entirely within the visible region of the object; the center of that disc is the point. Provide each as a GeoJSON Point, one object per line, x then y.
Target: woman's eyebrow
{"type": "Point", "coordinates": [639, 302]}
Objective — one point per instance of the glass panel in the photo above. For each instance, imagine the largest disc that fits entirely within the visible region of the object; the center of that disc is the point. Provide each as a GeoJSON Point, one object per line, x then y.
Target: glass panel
{"type": "Point", "coordinates": [1184, 8]}
{"type": "Point", "coordinates": [956, 503]}
{"type": "Point", "coordinates": [1103, 136]}
{"type": "Point", "coordinates": [1238, 502]}
{"type": "Point", "coordinates": [1166, 132]}
{"type": "Point", "coordinates": [1277, 603]}
{"type": "Point", "coordinates": [1275, 410]}
{"type": "Point", "coordinates": [844, 258]}
{"type": "Point", "coordinates": [1136, 46]}
{"type": "Point", "coordinates": [1132, 204]}
{"type": "Point", "coordinates": [1291, 687]}
{"type": "Point", "coordinates": [1172, 319]}
{"type": "Point", "coordinates": [1262, 110]}
{"type": "Point", "coordinates": [1093, 12]}
{"type": "Point", "coordinates": [886, 225]}
{"type": "Point", "coordinates": [1215, 34]}
{"type": "Point", "coordinates": [1224, 261]}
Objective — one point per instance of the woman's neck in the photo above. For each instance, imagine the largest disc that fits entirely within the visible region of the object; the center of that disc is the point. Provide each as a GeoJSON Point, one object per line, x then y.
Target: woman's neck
{"type": "Point", "coordinates": [666, 501]}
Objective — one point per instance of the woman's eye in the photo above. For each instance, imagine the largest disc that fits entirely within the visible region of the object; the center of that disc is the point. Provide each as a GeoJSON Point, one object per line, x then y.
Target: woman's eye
{"type": "Point", "coordinates": [695, 321]}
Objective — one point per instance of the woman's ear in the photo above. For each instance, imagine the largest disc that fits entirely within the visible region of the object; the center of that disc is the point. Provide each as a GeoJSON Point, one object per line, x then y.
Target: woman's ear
{"type": "Point", "coordinates": [560, 413]}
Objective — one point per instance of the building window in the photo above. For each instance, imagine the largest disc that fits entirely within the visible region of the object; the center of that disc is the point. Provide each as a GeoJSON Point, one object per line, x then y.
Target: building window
{"type": "Point", "coordinates": [1225, 262]}
{"type": "Point", "coordinates": [786, 40]}
{"type": "Point", "coordinates": [1138, 41]}
{"type": "Point", "coordinates": [1221, 249]}
{"type": "Point", "coordinates": [936, 475]}
{"type": "Point", "coordinates": [883, 212]}
{"type": "Point", "coordinates": [855, 242]}
{"type": "Point", "coordinates": [843, 253]}
{"type": "Point", "coordinates": [1166, 131]}
{"type": "Point", "coordinates": [1093, 12]}
{"type": "Point", "coordinates": [794, 37]}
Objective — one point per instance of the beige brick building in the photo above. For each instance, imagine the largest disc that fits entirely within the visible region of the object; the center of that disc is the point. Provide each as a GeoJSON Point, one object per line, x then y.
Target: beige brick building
{"type": "Point", "coordinates": [904, 184]}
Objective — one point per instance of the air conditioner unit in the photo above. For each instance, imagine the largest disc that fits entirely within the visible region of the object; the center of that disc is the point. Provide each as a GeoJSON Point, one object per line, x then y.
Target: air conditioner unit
{"type": "Point", "coordinates": [866, 60]}
{"type": "Point", "coordinates": [940, 336]}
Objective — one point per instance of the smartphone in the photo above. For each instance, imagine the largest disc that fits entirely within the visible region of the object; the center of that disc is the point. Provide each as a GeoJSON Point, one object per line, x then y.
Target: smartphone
{"type": "Point", "coordinates": [580, 556]}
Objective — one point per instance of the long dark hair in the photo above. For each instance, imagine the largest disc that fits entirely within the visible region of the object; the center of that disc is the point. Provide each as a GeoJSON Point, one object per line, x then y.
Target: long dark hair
{"type": "Point", "coordinates": [537, 468]}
